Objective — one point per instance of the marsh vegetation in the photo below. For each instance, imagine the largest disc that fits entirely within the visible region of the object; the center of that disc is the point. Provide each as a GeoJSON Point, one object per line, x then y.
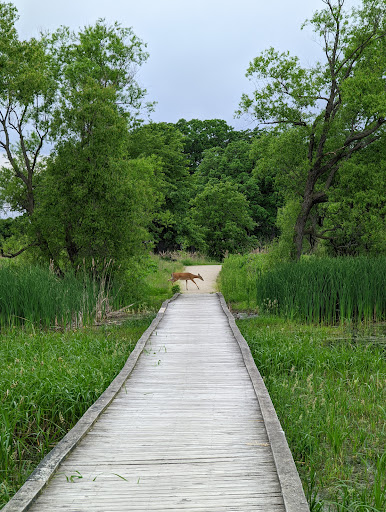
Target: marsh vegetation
{"type": "Point", "coordinates": [325, 373]}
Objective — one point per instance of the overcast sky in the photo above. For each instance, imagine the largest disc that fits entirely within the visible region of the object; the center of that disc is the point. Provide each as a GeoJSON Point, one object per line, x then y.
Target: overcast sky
{"type": "Point", "coordinates": [199, 49]}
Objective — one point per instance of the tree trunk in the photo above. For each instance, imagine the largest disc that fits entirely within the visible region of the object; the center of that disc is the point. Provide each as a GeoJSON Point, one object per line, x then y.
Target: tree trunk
{"type": "Point", "coordinates": [299, 234]}
{"type": "Point", "coordinates": [71, 247]}
{"type": "Point", "coordinates": [300, 225]}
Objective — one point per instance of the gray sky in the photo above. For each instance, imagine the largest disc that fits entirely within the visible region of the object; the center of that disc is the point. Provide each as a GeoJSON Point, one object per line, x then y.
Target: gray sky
{"type": "Point", "coordinates": [199, 49]}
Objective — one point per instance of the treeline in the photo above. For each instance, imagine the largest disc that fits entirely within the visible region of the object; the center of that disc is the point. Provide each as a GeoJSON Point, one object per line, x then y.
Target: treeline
{"type": "Point", "coordinates": [115, 185]}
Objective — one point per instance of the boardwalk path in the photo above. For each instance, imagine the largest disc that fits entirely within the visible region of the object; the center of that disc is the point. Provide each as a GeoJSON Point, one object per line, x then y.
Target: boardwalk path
{"type": "Point", "coordinates": [185, 433]}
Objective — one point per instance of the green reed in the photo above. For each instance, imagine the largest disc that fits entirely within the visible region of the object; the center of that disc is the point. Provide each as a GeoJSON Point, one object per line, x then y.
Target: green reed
{"type": "Point", "coordinates": [33, 295]}
{"type": "Point", "coordinates": [315, 290]}
{"type": "Point", "coordinates": [326, 290]}
{"type": "Point", "coordinates": [238, 278]}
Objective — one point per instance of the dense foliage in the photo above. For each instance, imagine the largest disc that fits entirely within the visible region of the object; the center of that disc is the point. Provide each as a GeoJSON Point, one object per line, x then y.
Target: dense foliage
{"type": "Point", "coordinates": [115, 187]}
{"type": "Point", "coordinates": [221, 220]}
{"type": "Point", "coordinates": [325, 114]}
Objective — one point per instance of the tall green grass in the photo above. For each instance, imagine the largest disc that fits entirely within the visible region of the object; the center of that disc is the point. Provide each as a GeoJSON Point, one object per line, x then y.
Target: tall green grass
{"type": "Point", "coordinates": [238, 278]}
{"type": "Point", "coordinates": [33, 295]}
{"type": "Point", "coordinates": [326, 290]}
{"type": "Point", "coordinates": [47, 382]}
{"type": "Point", "coordinates": [314, 290]}
{"type": "Point", "coordinates": [328, 389]}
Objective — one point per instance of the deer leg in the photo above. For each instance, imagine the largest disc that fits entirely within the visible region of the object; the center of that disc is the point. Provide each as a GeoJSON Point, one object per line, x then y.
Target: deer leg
{"type": "Point", "coordinates": [195, 283]}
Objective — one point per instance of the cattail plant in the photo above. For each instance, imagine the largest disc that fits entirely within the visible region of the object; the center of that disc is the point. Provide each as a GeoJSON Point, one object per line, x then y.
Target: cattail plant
{"type": "Point", "coordinates": [314, 290]}
{"type": "Point", "coordinates": [327, 290]}
{"type": "Point", "coordinates": [33, 295]}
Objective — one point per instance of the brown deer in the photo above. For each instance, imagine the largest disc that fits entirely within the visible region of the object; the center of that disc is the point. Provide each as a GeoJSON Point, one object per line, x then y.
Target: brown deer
{"type": "Point", "coordinates": [185, 276]}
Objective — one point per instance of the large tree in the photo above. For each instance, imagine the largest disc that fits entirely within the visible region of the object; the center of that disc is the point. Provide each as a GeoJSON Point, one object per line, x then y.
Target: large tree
{"type": "Point", "coordinates": [236, 163]}
{"type": "Point", "coordinates": [79, 92]}
{"type": "Point", "coordinates": [94, 202]}
{"type": "Point", "coordinates": [28, 90]}
{"type": "Point", "coordinates": [355, 215]}
{"type": "Point", "coordinates": [221, 220]}
{"type": "Point", "coordinates": [338, 107]}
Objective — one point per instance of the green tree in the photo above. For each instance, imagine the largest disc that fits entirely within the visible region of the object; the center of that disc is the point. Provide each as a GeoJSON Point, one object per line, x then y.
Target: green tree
{"type": "Point", "coordinates": [28, 90]}
{"type": "Point", "coordinates": [221, 221]}
{"type": "Point", "coordinates": [94, 207]}
{"type": "Point", "coordinates": [203, 135]}
{"type": "Point", "coordinates": [94, 202]}
{"type": "Point", "coordinates": [354, 217]}
{"type": "Point", "coordinates": [165, 142]}
{"type": "Point", "coordinates": [100, 60]}
{"type": "Point", "coordinates": [236, 163]}
{"type": "Point", "coordinates": [337, 107]}
{"type": "Point", "coordinates": [6, 228]}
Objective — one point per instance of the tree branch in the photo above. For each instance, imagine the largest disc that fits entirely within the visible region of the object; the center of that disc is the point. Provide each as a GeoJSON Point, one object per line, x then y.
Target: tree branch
{"type": "Point", "coordinates": [358, 50]}
{"type": "Point", "coordinates": [13, 255]}
{"type": "Point", "coordinates": [286, 121]}
{"type": "Point", "coordinates": [321, 235]}
{"type": "Point", "coordinates": [345, 151]}
{"type": "Point", "coordinates": [7, 146]}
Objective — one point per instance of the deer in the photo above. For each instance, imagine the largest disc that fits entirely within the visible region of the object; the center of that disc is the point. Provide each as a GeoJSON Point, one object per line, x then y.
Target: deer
{"type": "Point", "coordinates": [185, 276]}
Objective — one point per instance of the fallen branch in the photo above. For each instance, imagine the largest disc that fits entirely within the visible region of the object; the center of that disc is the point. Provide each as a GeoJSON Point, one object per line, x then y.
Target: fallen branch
{"type": "Point", "coordinates": [122, 310]}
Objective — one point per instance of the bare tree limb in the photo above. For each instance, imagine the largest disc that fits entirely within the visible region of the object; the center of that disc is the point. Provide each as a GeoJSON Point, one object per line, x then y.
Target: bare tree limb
{"type": "Point", "coordinates": [13, 255]}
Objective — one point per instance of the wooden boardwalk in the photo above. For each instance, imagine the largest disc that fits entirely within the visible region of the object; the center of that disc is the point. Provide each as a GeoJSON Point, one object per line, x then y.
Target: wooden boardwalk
{"type": "Point", "coordinates": [185, 432]}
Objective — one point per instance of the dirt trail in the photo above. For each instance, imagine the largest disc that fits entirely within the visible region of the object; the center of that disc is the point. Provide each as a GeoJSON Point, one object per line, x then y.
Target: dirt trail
{"type": "Point", "coordinates": [208, 285]}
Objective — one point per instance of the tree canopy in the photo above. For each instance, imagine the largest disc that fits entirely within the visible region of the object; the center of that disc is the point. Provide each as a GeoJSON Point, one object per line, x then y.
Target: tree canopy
{"type": "Point", "coordinates": [115, 184]}
{"type": "Point", "coordinates": [165, 143]}
{"type": "Point", "coordinates": [337, 107]}
{"type": "Point", "coordinates": [221, 220]}
{"type": "Point", "coordinates": [78, 91]}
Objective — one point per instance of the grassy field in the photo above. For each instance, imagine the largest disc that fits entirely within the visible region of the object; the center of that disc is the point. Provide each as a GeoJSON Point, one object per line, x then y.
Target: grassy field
{"type": "Point", "coordinates": [328, 388]}
{"type": "Point", "coordinates": [327, 384]}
